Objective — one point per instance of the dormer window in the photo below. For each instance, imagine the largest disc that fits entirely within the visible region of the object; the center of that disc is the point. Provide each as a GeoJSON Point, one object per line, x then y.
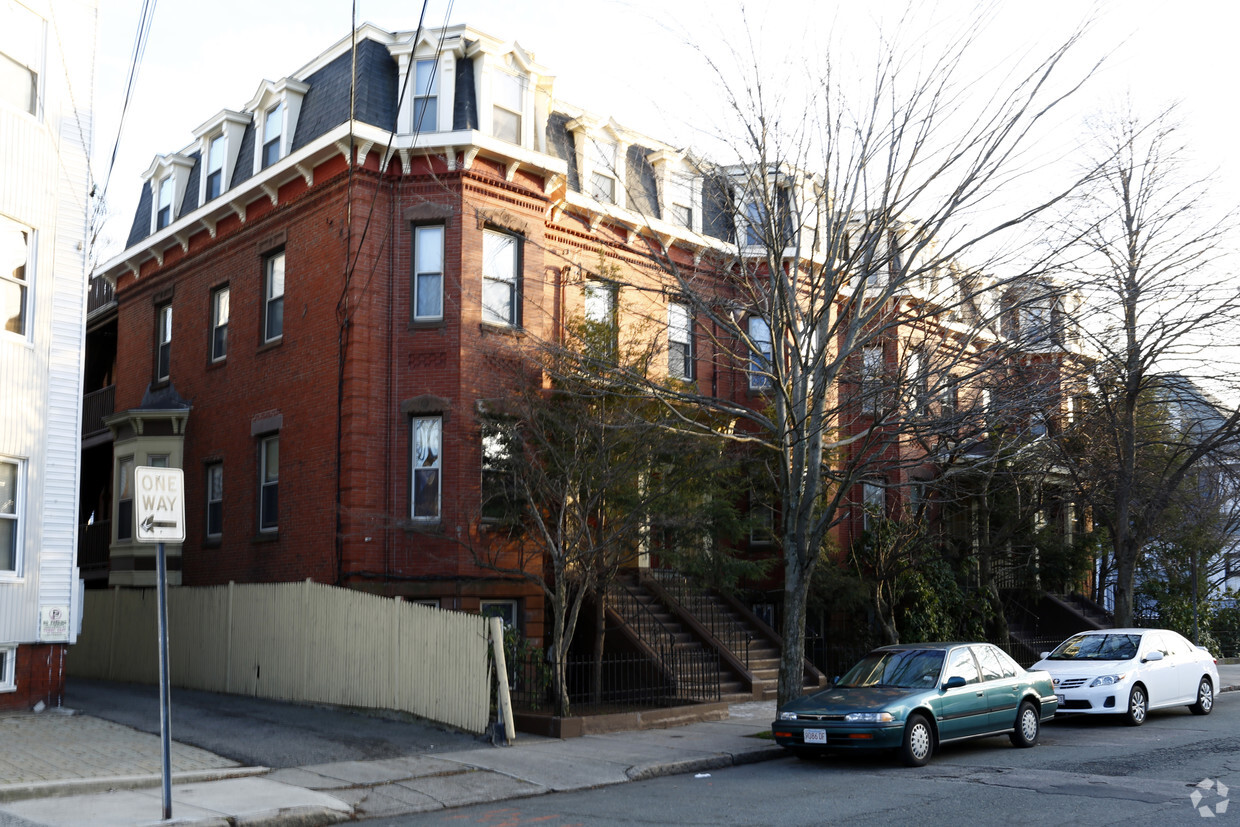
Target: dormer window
{"type": "Point", "coordinates": [426, 96]}
{"type": "Point", "coordinates": [219, 144]}
{"type": "Point", "coordinates": [508, 104]}
{"type": "Point", "coordinates": [275, 109]}
{"type": "Point", "coordinates": [603, 174]}
{"type": "Point", "coordinates": [273, 128]}
{"type": "Point", "coordinates": [163, 215]}
{"type": "Point", "coordinates": [215, 167]}
{"type": "Point", "coordinates": [167, 177]}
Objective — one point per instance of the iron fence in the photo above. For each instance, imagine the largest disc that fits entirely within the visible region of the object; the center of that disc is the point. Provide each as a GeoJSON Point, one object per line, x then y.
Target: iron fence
{"type": "Point", "coordinates": [707, 610]}
{"type": "Point", "coordinates": [623, 681]}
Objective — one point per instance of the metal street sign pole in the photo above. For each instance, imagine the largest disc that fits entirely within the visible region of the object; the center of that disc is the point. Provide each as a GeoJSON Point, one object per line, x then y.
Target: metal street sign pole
{"type": "Point", "coordinates": [160, 516]}
{"type": "Point", "coordinates": [165, 716]}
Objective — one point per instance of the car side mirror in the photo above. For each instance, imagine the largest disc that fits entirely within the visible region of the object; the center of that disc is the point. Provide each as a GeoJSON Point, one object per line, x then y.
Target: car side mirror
{"type": "Point", "coordinates": [954, 682]}
{"type": "Point", "coordinates": [1153, 656]}
{"type": "Point", "coordinates": [1045, 655]}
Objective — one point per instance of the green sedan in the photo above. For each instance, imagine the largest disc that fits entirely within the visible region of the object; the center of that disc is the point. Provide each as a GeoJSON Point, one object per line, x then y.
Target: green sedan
{"type": "Point", "coordinates": [916, 697]}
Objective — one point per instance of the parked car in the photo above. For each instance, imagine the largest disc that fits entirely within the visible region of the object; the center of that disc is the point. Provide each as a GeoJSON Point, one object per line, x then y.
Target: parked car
{"type": "Point", "coordinates": [913, 698]}
{"type": "Point", "coordinates": [1129, 672]}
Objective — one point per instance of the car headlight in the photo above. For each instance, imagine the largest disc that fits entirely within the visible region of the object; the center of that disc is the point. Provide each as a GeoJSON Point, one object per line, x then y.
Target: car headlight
{"type": "Point", "coordinates": [1107, 680]}
{"type": "Point", "coordinates": [787, 716]}
{"type": "Point", "coordinates": [869, 718]}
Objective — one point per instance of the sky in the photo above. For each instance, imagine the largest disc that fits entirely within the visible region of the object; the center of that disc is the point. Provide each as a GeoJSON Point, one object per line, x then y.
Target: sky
{"type": "Point", "coordinates": [639, 61]}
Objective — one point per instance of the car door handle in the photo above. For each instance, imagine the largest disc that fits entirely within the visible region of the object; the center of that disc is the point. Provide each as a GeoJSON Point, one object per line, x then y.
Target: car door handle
{"type": "Point", "coordinates": [981, 694]}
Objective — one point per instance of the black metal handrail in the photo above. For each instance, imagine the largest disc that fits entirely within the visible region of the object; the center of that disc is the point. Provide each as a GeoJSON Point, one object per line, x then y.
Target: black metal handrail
{"type": "Point", "coordinates": [700, 603]}
{"type": "Point", "coordinates": [694, 672]}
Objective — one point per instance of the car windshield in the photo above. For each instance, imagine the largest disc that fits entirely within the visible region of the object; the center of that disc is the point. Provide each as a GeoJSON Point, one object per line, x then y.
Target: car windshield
{"type": "Point", "coordinates": [1098, 647]}
{"type": "Point", "coordinates": [905, 668]}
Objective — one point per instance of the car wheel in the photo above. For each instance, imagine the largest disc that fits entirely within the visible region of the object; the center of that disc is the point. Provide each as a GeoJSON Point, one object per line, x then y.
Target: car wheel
{"type": "Point", "coordinates": [918, 742]}
{"type": "Point", "coordinates": [1138, 706]}
{"type": "Point", "coordinates": [1205, 698]}
{"type": "Point", "coordinates": [1028, 724]}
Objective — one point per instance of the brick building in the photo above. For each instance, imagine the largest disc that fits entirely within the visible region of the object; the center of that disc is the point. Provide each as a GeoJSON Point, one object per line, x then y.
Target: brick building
{"type": "Point", "coordinates": [312, 300]}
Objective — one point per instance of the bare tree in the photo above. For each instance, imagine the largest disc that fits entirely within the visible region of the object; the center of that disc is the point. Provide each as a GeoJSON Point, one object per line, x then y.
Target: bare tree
{"type": "Point", "coordinates": [841, 230]}
{"type": "Point", "coordinates": [1151, 260]}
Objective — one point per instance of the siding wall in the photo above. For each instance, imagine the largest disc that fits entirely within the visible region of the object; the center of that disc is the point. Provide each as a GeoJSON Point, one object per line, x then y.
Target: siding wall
{"type": "Point", "coordinates": [297, 642]}
{"type": "Point", "coordinates": [43, 185]}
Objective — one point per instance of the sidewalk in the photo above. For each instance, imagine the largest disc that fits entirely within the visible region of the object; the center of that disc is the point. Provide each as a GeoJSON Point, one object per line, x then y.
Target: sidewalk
{"type": "Point", "coordinates": [60, 769]}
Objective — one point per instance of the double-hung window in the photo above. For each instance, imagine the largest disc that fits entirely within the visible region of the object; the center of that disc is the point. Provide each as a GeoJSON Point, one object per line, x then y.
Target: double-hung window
{"type": "Point", "coordinates": [760, 353]}
{"type": "Point", "coordinates": [508, 98]}
{"type": "Point", "coordinates": [600, 313]}
{"type": "Point", "coordinates": [603, 174]}
{"type": "Point", "coordinates": [871, 378]}
{"type": "Point", "coordinates": [498, 475]}
{"type": "Point", "coordinates": [426, 442]}
{"type": "Point", "coordinates": [219, 324]}
{"type": "Point", "coordinates": [215, 167]}
{"type": "Point", "coordinates": [215, 499]}
{"type": "Point", "coordinates": [501, 267]}
{"type": "Point", "coordinates": [874, 505]}
{"type": "Point", "coordinates": [269, 484]}
{"type": "Point", "coordinates": [8, 668]}
{"type": "Point", "coordinates": [426, 96]}
{"type": "Point", "coordinates": [428, 273]}
{"type": "Point", "coordinates": [163, 343]}
{"type": "Point", "coordinates": [15, 249]}
{"type": "Point", "coordinates": [273, 297]}
{"type": "Point", "coordinates": [273, 130]}
{"type": "Point", "coordinates": [124, 498]}
{"type": "Point", "coordinates": [21, 57]}
{"type": "Point", "coordinates": [10, 515]}
{"type": "Point", "coordinates": [679, 342]}
{"type": "Point", "coordinates": [163, 215]}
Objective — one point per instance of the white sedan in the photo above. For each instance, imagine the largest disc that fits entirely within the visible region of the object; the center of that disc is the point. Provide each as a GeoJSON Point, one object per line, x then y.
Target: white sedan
{"type": "Point", "coordinates": [1129, 672]}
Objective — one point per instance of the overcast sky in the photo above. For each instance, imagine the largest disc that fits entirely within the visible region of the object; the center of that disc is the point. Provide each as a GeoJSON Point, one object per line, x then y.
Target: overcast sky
{"type": "Point", "coordinates": [629, 59]}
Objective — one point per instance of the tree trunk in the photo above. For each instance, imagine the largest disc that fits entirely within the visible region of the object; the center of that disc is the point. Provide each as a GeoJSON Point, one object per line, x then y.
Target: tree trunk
{"type": "Point", "coordinates": [792, 657]}
{"type": "Point", "coordinates": [1125, 569]}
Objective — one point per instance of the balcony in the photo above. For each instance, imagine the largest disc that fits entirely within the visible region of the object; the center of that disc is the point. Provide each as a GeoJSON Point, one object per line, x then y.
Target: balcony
{"type": "Point", "coordinates": [100, 295]}
{"type": "Point", "coordinates": [95, 406]}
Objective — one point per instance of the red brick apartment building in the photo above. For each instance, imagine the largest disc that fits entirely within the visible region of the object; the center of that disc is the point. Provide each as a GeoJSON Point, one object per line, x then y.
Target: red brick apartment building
{"type": "Point", "coordinates": [307, 309]}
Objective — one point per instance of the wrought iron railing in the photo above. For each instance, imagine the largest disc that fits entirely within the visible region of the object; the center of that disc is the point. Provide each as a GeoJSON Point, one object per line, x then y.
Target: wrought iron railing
{"type": "Point", "coordinates": [622, 681]}
{"type": "Point", "coordinates": [95, 406]}
{"type": "Point", "coordinates": [707, 610]}
{"type": "Point", "coordinates": [693, 670]}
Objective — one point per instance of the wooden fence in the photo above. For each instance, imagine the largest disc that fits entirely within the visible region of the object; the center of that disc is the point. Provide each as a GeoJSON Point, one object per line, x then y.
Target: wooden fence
{"type": "Point", "coordinates": [302, 642]}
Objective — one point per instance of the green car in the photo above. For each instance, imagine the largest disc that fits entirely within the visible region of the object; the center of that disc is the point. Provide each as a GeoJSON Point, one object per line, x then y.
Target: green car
{"type": "Point", "coordinates": [915, 697]}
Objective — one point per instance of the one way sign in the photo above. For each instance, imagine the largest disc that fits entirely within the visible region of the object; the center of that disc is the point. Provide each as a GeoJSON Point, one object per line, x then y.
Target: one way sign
{"type": "Point", "coordinates": [160, 504]}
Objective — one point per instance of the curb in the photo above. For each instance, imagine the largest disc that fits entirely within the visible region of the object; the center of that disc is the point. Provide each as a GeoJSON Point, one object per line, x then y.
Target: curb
{"type": "Point", "coordinates": [710, 762]}
{"type": "Point", "coordinates": [86, 786]}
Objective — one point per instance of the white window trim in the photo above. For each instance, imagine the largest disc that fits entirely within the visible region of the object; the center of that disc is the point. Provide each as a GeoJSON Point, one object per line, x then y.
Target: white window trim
{"type": "Point", "coordinates": [760, 377]}
{"type": "Point", "coordinates": [514, 284]}
{"type": "Point", "coordinates": [288, 92]}
{"type": "Point", "coordinates": [437, 466]}
{"type": "Point", "coordinates": [514, 605]}
{"type": "Point", "coordinates": [28, 284]}
{"type": "Point", "coordinates": [18, 517]}
{"type": "Point", "coordinates": [680, 332]}
{"type": "Point", "coordinates": [163, 329]}
{"type": "Point", "coordinates": [417, 282]}
{"type": "Point", "coordinates": [589, 135]}
{"type": "Point", "coordinates": [225, 290]}
{"type": "Point", "coordinates": [8, 668]}
{"type": "Point", "coordinates": [174, 167]}
{"type": "Point", "coordinates": [263, 484]}
{"type": "Point", "coordinates": [269, 299]}
{"type": "Point", "coordinates": [207, 511]}
{"type": "Point", "coordinates": [230, 126]}
{"type": "Point", "coordinates": [407, 54]}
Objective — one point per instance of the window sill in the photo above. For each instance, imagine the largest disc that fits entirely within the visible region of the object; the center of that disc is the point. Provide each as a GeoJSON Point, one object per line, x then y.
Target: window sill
{"type": "Point", "coordinates": [427, 324]}
{"type": "Point", "coordinates": [213, 542]}
{"type": "Point", "coordinates": [421, 526]}
{"type": "Point", "coordinates": [216, 364]}
{"type": "Point", "coordinates": [265, 537]}
{"type": "Point", "coordinates": [271, 345]}
{"type": "Point", "coordinates": [501, 329]}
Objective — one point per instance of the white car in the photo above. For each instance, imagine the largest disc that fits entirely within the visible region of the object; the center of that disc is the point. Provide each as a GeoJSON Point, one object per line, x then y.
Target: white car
{"type": "Point", "coordinates": [1129, 672]}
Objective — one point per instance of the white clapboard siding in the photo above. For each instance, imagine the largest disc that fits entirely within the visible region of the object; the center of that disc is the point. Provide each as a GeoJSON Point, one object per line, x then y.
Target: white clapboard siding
{"type": "Point", "coordinates": [303, 642]}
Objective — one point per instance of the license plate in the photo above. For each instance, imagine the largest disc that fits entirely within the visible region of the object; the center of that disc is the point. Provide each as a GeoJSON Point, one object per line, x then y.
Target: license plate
{"type": "Point", "coordinates": [1060, 699]}
{"type": "Point", "coordinates": [815, 736]}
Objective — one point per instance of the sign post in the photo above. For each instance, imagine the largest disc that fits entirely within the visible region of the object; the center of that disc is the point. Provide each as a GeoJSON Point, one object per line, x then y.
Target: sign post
{"type": "Point", "coordinates": [160, 514]}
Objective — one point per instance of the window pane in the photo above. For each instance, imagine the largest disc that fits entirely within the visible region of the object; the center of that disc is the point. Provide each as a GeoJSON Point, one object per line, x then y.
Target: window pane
{"type": "Point", "coordinates": [430, 297]}
{"type": "Point", "coordinates": [426, 435]}
{"type": "Point", "coordinates": [8, 545]}
{"type": "Point", "coordinates": [499, 270]}
{"type": "Point", "coordinates": [274, 309]}
{"type": "Point", "coordinates": [271, 460]}
{"type": "Point", "coordinates": [603, 188]}
{"type": "Point", "coordinates": [507, 91]}
{"type": "Point", "coordinates": [429, 246]}
{"type": "Point", "coordinates": [426, 114]}
{"type": "Point", "coordinates": [275, 276]}
{"type": "Point", "coordinates": [8, 516]}
{"type": "Point", "coordinates": [426, 81]}
{"type": "Point", "coordinates": [13, 306]}
{"type": "Point", "coordinates": [599, 302]}
{"type": "Point", "coordinates": [19, 85]}
{"type": "Point", "coordinates": [506, 125]}
{"type": "Point", "coordinates": [273, 123]}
